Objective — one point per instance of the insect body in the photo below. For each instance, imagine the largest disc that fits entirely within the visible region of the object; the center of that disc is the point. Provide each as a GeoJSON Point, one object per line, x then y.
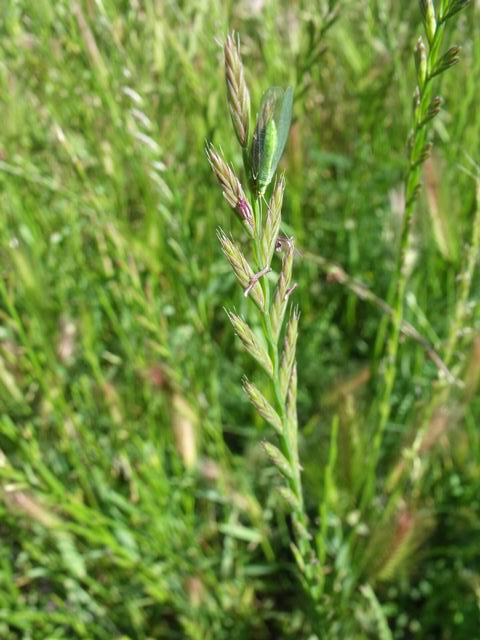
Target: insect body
{"type": "Point", "coordinates": [269, 145]}
{"type": "Point", "coordinates": [270, 137]}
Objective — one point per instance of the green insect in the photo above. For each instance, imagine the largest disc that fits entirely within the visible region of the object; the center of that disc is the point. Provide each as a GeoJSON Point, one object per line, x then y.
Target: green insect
{"type": "Point", "coordinates": [270, 137]}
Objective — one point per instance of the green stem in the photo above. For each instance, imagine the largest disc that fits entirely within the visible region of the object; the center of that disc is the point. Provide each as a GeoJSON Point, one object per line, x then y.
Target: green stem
{"type": "Point", "coordinates": [287, 446]}
{"type": "Point", "coordinates": [461, 310]}
{"type": "Point", "coordinates": [401, 275]}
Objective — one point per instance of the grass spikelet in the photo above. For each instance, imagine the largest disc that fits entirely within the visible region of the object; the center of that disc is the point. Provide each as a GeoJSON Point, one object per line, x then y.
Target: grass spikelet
{"type": "Point", "coordinates": [449, 59]}
{"type": "Point", "coordinates": [301, 530]}
{"type": "Point", "coordinates": [250, 342]}
{"type": "Point", "coordinates": [237, 90]}
{"type": "Point", "coordinates": [278, 459]}
{"type": "Point", "coordinates": [429, 18]}
{"type": "Point", "coordinates": [421, 64]}
{"type": "Point", "coordinates": [298, 558]}
{"type": "Point", "coordinates": [289, 497]}
{"type": "Point", "coordinates": [292, 420]}
{"type": "Point", "coordinates": [433, 111]}
{"type": "Point", "coordinates": [280, 301]}
{"type": "Point", "coordinates": [272, 221]}
{"type": "Point", "coordinates": [288, 356]}
{"type": "Point", "coordinates": [262, 405]}
{"type": "Point", "coordinates": [231, 188]}
{"type": "Point", "coordinates": [241, 268]}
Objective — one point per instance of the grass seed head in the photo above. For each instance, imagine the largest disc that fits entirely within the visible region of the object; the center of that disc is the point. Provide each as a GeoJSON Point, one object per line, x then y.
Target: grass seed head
{"type": "Point", "coordinates": [429, 19]}
{"type": "Point", "coordinates": [290, 498]}
{"type": "Point", "coordinates": [280, 300]}
{"type": "Point", "coordinates": [241, 268]}
{"type": "Point", "coordinates": [272, 221]}
{"type": "Point", "coordinates": [289, 348]}
{"type": "Point", "coordinates": [292, 403]}
{"type": "Point", "coordinates": [262, 405]}
{"type": "Point", "coordinates": [301, 530]}
{"type": "Point", "coordinates": [421, 61]}
{"type": "Point", "coordinates": [232, 189]}
{"type": "Point", "coordinates": [449, 59]}
{"type": "Point", "coordinates": [251, 342]}
{"type": "Point", "coordinates": [237, 90]}
{"type": "Point", "coordinates": [278, 459]}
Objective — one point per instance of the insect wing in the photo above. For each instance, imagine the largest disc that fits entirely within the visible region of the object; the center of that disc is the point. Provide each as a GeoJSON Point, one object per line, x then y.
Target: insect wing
{"type": "Point", "coordinates": [283, 119]}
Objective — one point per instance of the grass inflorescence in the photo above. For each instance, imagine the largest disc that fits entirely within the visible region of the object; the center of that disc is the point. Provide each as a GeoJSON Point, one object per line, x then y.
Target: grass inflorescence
{"type": "Point", "coordinates": [274, 347]}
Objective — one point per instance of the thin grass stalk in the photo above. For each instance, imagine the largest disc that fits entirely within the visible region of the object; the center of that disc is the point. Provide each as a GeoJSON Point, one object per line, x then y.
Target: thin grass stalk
{"type": "Point", "coordinates": [288, 442]}
{"type": "Point", "coordinates": [461, 308]}
{"type": "Point", "coordinates": [429, 63]}
{"type": "Point", "coordinates": [401, 479]}
{"type": "Point", "coordinates": [458, 322]}
{"type": "Point", "coordinates": [311, 54]}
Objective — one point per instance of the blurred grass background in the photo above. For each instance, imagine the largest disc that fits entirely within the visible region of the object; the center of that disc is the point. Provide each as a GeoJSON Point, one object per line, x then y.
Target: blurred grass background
{"type": "Point", "coordinates": [135, 500]}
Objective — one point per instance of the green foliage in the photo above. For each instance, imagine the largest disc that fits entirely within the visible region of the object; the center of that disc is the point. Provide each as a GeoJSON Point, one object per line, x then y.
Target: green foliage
{"type": "Point", "coordinates": [136, 500]}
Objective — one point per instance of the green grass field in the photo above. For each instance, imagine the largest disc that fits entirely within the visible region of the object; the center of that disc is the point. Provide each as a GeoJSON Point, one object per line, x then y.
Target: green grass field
{"type": "Point", "coordinates": [136, 499]}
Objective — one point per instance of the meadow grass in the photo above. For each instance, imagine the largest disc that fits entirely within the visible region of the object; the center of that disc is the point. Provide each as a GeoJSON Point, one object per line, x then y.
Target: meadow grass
{"type": "Point", "coordinates": [137, 500]}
